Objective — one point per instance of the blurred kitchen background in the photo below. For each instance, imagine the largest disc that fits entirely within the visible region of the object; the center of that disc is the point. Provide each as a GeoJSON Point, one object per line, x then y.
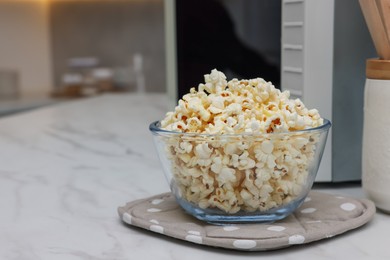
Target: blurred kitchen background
{"type": "Point", "coordinates": [59, 49]}
{"type": "Point", "coordinates": [53, 50]}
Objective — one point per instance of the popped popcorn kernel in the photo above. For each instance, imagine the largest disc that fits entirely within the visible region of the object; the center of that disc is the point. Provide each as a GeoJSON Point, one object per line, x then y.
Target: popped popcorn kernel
{"type": "Point", "coordinates": [241, 161]}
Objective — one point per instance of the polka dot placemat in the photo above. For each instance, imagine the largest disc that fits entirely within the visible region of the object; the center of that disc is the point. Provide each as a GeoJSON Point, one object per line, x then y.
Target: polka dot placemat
{"type": "Point", "coordinates": [321, 216]}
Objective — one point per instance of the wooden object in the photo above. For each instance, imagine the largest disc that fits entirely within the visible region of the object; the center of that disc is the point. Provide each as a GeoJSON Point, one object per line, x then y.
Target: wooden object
{"type": "Point", "coordinates": [376, 27]}
{"type": "Point", "coordinates": [378, 69]}
{"type": "Point", "coordinates": [384, 11]}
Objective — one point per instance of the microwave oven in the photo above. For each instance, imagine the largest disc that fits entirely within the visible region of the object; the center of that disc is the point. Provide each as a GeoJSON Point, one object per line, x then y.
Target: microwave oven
{"type": "Point", "coordinates": [319, 48]}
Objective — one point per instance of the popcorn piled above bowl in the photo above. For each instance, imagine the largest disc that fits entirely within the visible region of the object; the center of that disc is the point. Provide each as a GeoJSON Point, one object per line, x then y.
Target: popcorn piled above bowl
{"type": "Point", "coordinates": [240, 151]}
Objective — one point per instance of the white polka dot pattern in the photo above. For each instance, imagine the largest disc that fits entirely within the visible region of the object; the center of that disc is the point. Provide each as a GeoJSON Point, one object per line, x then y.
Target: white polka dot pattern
{"type": "Point", "coordinates": [308, 210]}
{"type": "Point", "coordinates": [276, 228]}
{"type": "Point", "coordinates": [153, 210]}
{"type": "Point", "coordinates": [194, 239]}
{"type": "Point", "coordinates": [323, 216]}
{"type": "Point", "coordinates": [244, 244]}
{"type": "Point", "coordinates": [230, 228]}
{"type": "Point", "coordinates": [127, 218]}
{"type": "Point", "coordinates": [157, 229]}
{"type": "Point", "coordinates": [296, 239]}
{"type": "Point", "coordinates": [313, 221]}
{"type": "Point", "coordinates": [192, 232]}
{"type": "Point", "coordinates": [348, 206]}
{"type": "Point", "coordinates": [157, 201]}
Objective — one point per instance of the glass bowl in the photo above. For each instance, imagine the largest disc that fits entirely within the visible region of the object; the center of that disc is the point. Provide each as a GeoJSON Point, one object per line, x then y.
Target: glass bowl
{"type": "Point", "coordinates": [240, 178]}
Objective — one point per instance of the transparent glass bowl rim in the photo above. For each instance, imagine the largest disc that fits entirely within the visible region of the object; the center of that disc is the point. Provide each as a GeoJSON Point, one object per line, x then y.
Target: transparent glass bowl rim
{"type": "Point", "coordinates": [155, 128]}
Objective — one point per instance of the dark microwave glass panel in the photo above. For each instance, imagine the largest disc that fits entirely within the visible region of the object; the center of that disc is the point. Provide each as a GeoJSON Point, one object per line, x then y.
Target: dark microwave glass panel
{"type": "Point", "coordinates": [238, 37]}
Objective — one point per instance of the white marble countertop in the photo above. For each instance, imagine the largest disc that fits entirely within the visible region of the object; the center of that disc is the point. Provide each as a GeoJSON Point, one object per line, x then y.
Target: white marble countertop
{"type": "Point", "coordinates": [66, 168]}
{"type": "Point", "coordinates": [8, 107]}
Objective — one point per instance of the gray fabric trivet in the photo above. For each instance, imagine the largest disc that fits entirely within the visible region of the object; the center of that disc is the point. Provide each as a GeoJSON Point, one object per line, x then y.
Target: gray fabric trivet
{"type": "Point", "coordinates": [321, 216]}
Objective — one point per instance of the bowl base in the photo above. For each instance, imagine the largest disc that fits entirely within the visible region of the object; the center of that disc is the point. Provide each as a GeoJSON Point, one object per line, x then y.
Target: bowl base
{"type": "Point", "coordinates": [217, 217]}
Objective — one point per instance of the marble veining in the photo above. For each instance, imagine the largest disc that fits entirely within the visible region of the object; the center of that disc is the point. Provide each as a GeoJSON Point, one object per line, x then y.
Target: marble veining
{"type": "Point", "coordinates": [64, 170]}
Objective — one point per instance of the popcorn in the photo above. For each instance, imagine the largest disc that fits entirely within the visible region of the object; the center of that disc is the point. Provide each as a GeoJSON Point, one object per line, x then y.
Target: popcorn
{"type": "Point", "coordinates": [239, 162]}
